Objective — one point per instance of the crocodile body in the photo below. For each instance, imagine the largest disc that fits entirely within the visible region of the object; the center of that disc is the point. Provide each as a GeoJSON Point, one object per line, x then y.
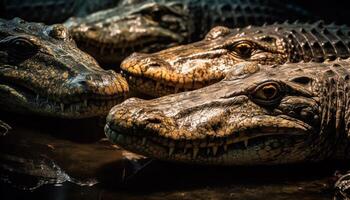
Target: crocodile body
{"type": "Point", "coordinates": [52, 11]}
{"type": "Point", "coordinates": [259, 114]}
{"type": "Point", "coordinates": [43, 72]}
{"type": "Point", "coordinates": [205, 62]}
{"type": "Point", "coordinates": [152, 25]}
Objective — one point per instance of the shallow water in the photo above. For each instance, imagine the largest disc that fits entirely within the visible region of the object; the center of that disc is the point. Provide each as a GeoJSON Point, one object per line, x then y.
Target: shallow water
{"type": "Point", "coordinates": [39, 165]}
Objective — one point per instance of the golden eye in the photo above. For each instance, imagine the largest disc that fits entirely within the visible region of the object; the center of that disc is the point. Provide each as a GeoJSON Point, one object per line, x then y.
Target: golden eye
{"type": "Point", "coordinates": [21, 47]}
{"type": "Point", "coordinates": [244, 50]}
{"type": "Point", "coordinates": [267, 93]}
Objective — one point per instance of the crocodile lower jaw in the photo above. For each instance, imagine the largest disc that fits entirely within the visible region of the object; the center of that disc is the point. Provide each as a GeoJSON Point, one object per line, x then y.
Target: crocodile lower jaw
{"type": "Point", "coordinates": [155, 88]}
{"type": "Point", "coordinates": [44, 105]}
{"type": "Point", "coordinates": [166, 148]}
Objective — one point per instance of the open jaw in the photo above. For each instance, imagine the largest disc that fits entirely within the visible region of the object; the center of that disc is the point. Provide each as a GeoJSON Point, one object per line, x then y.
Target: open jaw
{"type": "Point", "coordinates": [257, 144]}
{"type": "Point", "coordinates": [27, 100]}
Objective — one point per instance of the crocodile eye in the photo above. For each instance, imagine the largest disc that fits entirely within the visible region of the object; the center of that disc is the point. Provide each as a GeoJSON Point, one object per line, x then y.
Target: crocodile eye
{"type": "Point", "coordinates": [156, 15]}
{"type": "Point", "coordinates": [267, 93]}
{"type": "Point", "coordinates": [242, 49]}
{"type": "Point", "coordinates": [21, 47]}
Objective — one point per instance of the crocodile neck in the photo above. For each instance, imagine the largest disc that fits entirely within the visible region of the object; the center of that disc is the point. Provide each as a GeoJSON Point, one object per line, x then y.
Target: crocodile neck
{"type": "Point", "coordinates": [318, 43]}
{"type": "Point", "coordinates": [342, 116]}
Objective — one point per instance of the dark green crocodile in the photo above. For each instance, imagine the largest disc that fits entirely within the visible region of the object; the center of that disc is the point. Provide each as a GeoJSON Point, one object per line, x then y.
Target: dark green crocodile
{"type": "Point", "coordinates": [43, 72]}
{"type": "Point", "coordinates": [257, 115]}
{"type": "Point", "coordinates": [52, 11]}
{"type": "Point", "coordinates": [151, 25]}
{"type": "Point", "coordinates": [205, 62]}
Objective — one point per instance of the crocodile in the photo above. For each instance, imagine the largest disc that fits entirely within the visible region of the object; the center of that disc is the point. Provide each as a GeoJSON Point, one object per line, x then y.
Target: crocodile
{"type": "Point", "coordinates": [148, 26]}
{"type": "Point", "coordinates": [43, 72]}
{"type": "Point", "coordinates": [202, 63]}
{"type": "Point", "coordinates": [257, 115]}
{"type": "Point", "coordinates": [52, 11]}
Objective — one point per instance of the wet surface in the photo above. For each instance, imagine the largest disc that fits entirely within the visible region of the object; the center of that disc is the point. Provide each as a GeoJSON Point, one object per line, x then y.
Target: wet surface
{"type": "Point", "coordinates": [48, 162]}
{"type": "Point", "coordinates": [39, 163]}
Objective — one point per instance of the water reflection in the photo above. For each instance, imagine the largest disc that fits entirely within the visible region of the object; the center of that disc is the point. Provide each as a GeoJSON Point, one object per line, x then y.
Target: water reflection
{"type": "Point", "coordinates": [56, 165]}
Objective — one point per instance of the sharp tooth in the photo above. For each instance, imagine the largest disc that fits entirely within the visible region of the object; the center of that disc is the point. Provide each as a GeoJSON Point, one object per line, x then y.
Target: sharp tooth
{"type": "Point", "coordinates": [176, 89]}
{"type": "Point", "coordinates": [185, 150]}
{"type": "Point", "coordinates": [215, 150]}
{"type": "Point", "coordinates": [157, 85]}
{"type": "Point", "coordinates": [225, 147]}
{"type": "Point", "coordinates": [62, 107]}
{"type": "Point", "coordinates": [195, 152]}
{"type": "Point", "coordinates": [208, 150]}
{"type": "Point", "coordinates": [85, 103]}
{"type": "Point", "coordinates": [144, 140]}
{"type": "Point", "coordinates": [171, 150]}
{"type": "Point", "coordinates": [37, 97]}
{"type": "Point", "coordinates": [246, 143]}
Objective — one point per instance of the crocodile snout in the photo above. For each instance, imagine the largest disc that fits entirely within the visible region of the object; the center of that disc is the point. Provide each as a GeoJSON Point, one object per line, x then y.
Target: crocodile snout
{"type": "Point", "coordinates": [138, 64]}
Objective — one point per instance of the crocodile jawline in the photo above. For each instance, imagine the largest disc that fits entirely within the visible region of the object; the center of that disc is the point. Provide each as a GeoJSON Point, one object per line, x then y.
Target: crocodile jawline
{"type": "Point", "coordinates": [65, 106]}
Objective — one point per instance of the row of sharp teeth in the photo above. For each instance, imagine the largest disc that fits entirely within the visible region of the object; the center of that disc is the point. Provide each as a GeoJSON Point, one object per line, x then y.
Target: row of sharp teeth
{"type": "Point", "coordinates": [211, 148]}
{"type": "Point", "coordinates": [78, 105]}
{"type": "Point", "coordinates": [158, 85]}
{"type": "Point", "coordinates": [195, 149]}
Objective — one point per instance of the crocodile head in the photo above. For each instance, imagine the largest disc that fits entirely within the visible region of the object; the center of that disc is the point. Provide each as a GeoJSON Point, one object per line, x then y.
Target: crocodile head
{"type": "Point", "coordinates": [202, 63]}
{"type": "Point", "coordinates": [205, 62]}
{"type": "Point", "coordinates": [274, 114]}
{"type": "Point", "coordinates": [43, 72]}
{"type": "Point", "coordinates": [113, 34]}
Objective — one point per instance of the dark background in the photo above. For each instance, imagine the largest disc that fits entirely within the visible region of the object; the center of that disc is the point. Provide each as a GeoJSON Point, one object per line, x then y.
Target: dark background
{"type": "Point", "coordinates": [331, 11]}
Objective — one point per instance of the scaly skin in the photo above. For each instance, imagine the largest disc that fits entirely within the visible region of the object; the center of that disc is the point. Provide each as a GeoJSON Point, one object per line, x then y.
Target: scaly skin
{"type": "Point", "coordinates": [51, 11]}
{"type": "Point", "coordinates": [149, 26]}
{"type": "Point", "coordinates": [43, 72]}
{"type": "Point", "coordinates": [202, 63]}
{"type": "Point", "coordinates": [259, 114]}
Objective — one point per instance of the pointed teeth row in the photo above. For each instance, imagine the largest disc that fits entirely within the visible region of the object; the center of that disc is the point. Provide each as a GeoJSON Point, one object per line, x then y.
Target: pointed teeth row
{"type": "Point", "coordinates": [156, 84]}
{"type": "Point", "coordinates": [195, 147]}
{"type": "Point", "coordinates": [195, 150]}
{"type": "Point", "coordinates": [189, 147]}
{"type": "Point", "coordinates": [72, 107]}
{"type": "Point", "coordinates": [209, 150]}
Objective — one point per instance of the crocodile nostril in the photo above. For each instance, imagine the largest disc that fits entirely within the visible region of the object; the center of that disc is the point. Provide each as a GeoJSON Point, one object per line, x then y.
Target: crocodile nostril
{"type": "Point", "coordinates": [154, 121]}
{"type": "Point", "coordinates": [154, 64]}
